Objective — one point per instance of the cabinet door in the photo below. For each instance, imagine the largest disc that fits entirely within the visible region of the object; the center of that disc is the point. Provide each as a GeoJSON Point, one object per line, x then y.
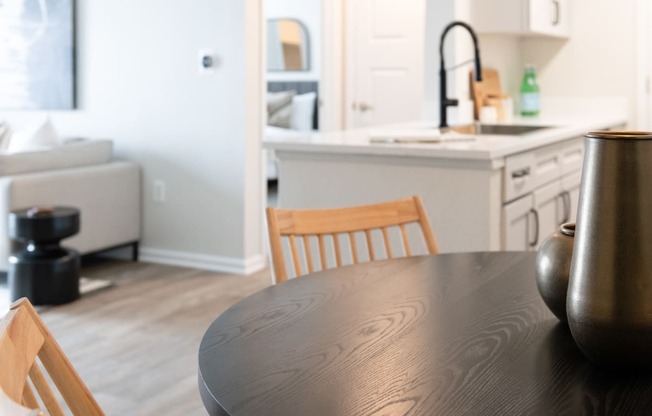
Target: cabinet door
{"type": "Point", "coordinates": [549, 205]}
{"type": "Point", "coordinates": [570, 185]}
{"type": "Point", "coordinates": [518, 224]}
{"type": "Point", "coordinates": [549, 17]}
{"type": "Point", "coordinates": [521, 17]}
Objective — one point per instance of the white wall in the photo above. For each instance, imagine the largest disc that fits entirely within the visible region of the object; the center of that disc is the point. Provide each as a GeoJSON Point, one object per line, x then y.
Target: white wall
{"type": "Point", "coordinates": [309, 13]}
{"type": "Point", "coordinates": [139, 84]}
{"type": "Point", "coordinates": [599, 60]}
{"type": "Point", "coordinates": [499, 52]}
{"type": "Point", "coordinates": [438, 15]}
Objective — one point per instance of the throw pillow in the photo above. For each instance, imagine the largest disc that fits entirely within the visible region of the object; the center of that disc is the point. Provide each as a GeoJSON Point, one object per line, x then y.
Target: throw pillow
{"type": "Point", "coordinates": [278, 100]}
{"type": "Point", "coordinates": [279, 108]}
{"type": "Point", "coordinates": [281, 117]}
{"type": "Point", "coordinates": [303, 111]}
{"type": "Point", "coordinates": [39, 136]}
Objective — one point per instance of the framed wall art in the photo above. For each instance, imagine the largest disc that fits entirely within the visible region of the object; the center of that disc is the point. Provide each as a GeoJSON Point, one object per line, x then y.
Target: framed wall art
{"type": "Point", "coordinates": [37, 54]}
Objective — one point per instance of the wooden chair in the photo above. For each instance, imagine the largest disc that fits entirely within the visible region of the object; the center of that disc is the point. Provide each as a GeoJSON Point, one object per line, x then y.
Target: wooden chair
{"type": "Point", "coordinates": [319, 223]}
{"type": "Point", "coordinates": [24, 342]}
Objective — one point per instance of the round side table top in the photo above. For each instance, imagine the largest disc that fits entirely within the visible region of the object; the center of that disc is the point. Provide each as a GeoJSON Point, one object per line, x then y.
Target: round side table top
{"type": "Point", "coordinates": [43, 223]}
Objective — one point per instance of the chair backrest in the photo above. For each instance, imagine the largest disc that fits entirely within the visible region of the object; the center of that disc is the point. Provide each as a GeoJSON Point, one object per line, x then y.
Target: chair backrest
{"type": "Point", "coordinates": [25, 345]}
{"type": "Point", "coordinates": [320, 223]}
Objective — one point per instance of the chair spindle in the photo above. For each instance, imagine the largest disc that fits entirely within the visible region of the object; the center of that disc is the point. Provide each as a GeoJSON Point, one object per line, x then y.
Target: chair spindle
{"type": "Point", "coordinates": [45, 392]}
{"type": "Point", "coordinates": [295, 256]}
{"type": "Point", "coordinates": [338, 253]}
{"type": "Point", "coordinates": [388, 247]}
{"type": "Point", "coordinates": [354, 248]}
{"type": "Point", "coordinates": [306, 245]}
{"type": "Point", "coordinates": [370, 245]}
{"type": "Point", "coordinates": [406, 241]}
{"type": "Point", "coordinates": [322, 252]}
{"type": "Point", "coordinates": [29, 399]}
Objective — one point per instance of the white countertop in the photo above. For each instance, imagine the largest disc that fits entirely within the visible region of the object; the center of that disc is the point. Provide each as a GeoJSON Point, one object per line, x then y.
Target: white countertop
{"type": "Point", "coordinates": [482, 147]}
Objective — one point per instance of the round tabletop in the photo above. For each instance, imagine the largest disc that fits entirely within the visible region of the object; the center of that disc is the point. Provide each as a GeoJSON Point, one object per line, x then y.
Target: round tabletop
{"type": "Point", "coordinates": [446, 334]}
{"type": "Point", "coordinates": [43, 223]}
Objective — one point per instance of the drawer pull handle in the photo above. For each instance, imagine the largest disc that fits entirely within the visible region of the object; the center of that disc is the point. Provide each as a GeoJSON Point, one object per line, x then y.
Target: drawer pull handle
{"type": "Point", "coordinates": [536, 228]}
{"type": "Point", "coordinates": [566, 200]}
{"type": "Point", "coordinates": [555, 20]}
{"type": "Point", "coordinates": [521, 173]}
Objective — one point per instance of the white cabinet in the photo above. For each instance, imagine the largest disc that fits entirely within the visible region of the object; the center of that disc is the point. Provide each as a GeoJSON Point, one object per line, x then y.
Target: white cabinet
{"type": "Point", "coordinates": [519, 222]}
{"type": "Point", "coordinates": [549, 17]}
{"type": "Point", "coordinates": [571, 194]}
{"type": "Point", "coordinates": [506, 201]}
{"type": "Point", "coordinates": [545, 184]}
{"type": "Point", "coordinates": [522, 17]}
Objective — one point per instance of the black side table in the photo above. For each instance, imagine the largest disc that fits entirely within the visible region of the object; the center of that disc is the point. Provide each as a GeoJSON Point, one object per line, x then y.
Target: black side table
{"type": "Point", "coordinates": [44, 272]}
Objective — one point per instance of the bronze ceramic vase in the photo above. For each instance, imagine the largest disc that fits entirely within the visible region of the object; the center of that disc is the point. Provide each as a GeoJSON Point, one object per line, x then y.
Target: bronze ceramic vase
{"type": "Point", "coordinates": [609, 301]}
{"type": "Point", "coordinates": [553, 269]}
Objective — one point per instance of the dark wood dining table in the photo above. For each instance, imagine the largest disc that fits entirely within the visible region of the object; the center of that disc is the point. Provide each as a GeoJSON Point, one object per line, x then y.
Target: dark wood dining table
{"type": "Point", "coordinates": [448, 334]}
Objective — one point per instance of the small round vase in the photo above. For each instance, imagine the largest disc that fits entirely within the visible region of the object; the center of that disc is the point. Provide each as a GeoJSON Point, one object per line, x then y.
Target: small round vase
{"type": "Point", "coordinates": [553, 267]}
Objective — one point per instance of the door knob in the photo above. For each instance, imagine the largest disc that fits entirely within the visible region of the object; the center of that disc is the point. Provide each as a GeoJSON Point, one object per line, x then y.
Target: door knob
{"type": "Point", "coordinates": [365, 107]}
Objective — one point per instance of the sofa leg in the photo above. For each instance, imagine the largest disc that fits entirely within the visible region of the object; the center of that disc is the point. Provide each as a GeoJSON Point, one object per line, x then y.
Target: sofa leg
{"type": "Point", "coordinates": [134, 251]}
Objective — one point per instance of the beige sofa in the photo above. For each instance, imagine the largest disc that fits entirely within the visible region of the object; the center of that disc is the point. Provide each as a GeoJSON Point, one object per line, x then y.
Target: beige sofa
{"type": "Point", "coordinates": [81, 174]}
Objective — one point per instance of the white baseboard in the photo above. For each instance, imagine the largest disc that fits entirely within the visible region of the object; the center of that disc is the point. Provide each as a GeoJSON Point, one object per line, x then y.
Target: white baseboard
{"type": "Point", "coordinates": [203, 261]}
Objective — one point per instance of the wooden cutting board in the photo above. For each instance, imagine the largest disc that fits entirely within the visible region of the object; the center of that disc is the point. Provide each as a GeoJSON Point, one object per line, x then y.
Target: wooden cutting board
{"type": "Point", "coordinates": [486, 92]}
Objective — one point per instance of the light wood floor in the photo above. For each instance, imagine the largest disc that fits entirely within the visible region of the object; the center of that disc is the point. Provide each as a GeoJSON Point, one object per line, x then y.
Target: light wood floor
{"type": "Point", "coordinates": [135, 344]}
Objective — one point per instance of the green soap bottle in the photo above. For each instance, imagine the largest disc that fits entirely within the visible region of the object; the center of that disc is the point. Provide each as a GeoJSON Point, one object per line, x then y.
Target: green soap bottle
{"type": "Point", "coordinates": [530, 97]}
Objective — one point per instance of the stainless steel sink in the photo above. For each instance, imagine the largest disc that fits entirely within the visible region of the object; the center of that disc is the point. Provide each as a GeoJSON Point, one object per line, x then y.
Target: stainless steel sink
{"type": "Point", "coordinates": [498, 129]}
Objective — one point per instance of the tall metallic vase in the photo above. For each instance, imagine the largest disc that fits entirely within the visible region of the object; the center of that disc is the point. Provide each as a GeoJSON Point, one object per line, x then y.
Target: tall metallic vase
{"type": "Point", "coordinates": [609, 301]}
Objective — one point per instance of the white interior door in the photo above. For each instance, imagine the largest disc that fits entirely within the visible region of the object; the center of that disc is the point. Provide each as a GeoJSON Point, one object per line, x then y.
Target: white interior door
{"type": "Point", "coordinates": [385, 58]}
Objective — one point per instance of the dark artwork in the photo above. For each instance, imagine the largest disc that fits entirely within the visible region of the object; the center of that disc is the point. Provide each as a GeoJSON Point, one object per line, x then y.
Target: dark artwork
{"type": "Point", "coordinates": [37, 54]}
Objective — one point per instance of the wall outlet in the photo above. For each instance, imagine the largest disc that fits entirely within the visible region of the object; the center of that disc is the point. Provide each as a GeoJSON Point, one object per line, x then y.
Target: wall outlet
{"type": "Point", "coordinates": [158, 193]}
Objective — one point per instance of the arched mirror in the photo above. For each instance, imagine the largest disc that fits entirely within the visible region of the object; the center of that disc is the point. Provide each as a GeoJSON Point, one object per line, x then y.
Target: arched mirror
{"type": "Point", "coordinates": [288, 45]}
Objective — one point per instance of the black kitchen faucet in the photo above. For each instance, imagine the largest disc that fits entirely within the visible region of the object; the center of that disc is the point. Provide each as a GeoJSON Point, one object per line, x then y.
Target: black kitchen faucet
{"type": "Point", "coordinates": [444, 101]}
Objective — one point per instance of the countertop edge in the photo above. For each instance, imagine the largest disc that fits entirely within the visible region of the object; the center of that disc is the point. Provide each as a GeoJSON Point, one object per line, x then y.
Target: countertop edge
{"type": "Point", "coordinates": [352, 142]}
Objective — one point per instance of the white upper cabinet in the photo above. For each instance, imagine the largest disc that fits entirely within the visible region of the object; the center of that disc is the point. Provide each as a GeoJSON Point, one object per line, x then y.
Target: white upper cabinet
{"type": "Point", "coordinates": [522, 17]}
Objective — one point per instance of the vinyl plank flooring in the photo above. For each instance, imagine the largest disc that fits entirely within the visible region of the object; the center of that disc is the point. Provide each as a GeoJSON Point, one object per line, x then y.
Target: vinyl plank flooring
{"type": "Point", "coordinates": [135, 344]}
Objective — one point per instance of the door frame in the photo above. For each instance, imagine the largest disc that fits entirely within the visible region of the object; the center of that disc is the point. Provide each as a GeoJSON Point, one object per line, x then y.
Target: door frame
{"type": "Point", "coordinates": [643, 65]}
{"type": "Point", "coordinates": [331, 88]}
{"type": "Point", "coordinates": [331, 84]}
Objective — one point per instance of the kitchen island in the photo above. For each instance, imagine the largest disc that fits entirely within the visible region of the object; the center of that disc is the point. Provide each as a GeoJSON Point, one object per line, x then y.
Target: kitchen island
{"type": "Point", "coordinates": [483, 192]}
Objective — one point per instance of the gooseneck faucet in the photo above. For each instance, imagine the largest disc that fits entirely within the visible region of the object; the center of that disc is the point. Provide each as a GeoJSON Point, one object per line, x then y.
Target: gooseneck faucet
{"type": "Point", "coordinates": [444, 101]}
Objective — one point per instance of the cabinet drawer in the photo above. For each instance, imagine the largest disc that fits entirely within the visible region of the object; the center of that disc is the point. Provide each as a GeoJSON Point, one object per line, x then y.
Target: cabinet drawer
{"type": "Point", "coordinates": [572, 155]}
{"type": "Point", "coordinates": [547, 164]}
{"type": "Point", "coordinates": [519, 175]}
{"type": "Point", "coordinates": [527, 171]}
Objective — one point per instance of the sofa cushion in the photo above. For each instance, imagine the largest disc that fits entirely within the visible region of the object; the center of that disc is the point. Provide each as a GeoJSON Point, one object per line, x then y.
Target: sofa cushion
{"type": "Point", "coordinates": [70, 154]}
